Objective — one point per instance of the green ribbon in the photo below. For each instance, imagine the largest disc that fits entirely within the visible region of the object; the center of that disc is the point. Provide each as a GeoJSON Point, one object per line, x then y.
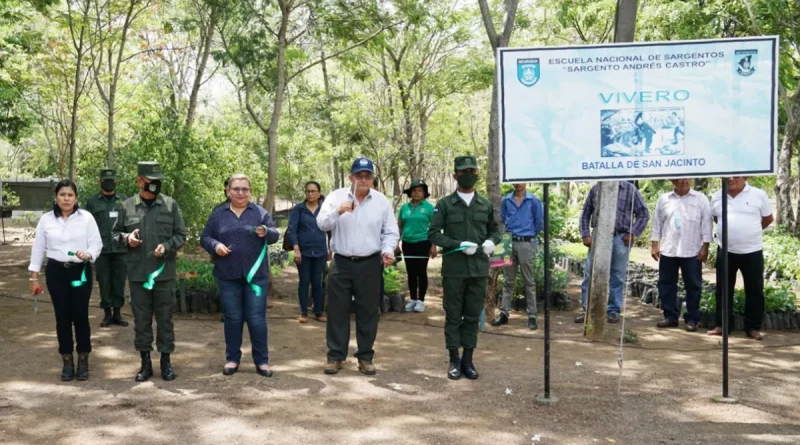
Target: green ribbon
{"type": "Point", "coordinates": [256, 288]}
{"type": "Point", "coordinates": [78, 283]}
{"type": "Point", "coordinates": [151, 279]}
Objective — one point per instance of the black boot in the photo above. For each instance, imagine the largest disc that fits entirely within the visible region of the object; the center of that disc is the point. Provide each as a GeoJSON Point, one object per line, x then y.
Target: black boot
{"type": "Point", "coordinates": [454, 373]}
{"type": "Point", "coordinates": [68, 372]}
{"type": "Point", "coordinates": [166, 368]}
{"type": "Point", "coordinates": [107, 318]}
{"type": "Point", "coordinates": [117, 318]}
{"type": "Point", "coordinates": [146, 371]}
{"type": "Point", "coordinates": [467, 367]}
{"type": "Point", "coordinates": [83, 366]}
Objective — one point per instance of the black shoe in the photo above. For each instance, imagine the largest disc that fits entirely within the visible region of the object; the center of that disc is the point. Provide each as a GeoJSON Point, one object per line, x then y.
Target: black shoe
{"type": "Point", "coordinates": [117, 318]}
{"type": "Point", "coordinates": [580, 318]}
{"type": "Point", "coordinates": [107, 318]}
{"type": "Point", "coordinates": [613, 318]}
{"type": "Point", "coordinates": [500, 320]}
{"type": "Point", "coordinates": [68, 371]}
{"type": "Point", "coordinates": [264, 373]}
{"type": "Point", "coordinates": [83, 366]}
{"type": "Point", "coordinates": [467, 367]}
{"type": "Point", "coordinates": [667, 323]}
{"type": "Point", "coordinates": [229, 371]}
{"type": "Point", "coordinates": [167, 374]}
{"type": "Point", "coordinates": [532, 324]}
{"type": "Point", "coordinates": [454, 373]}
{"type": "Point", "coordinates": [146, 371]}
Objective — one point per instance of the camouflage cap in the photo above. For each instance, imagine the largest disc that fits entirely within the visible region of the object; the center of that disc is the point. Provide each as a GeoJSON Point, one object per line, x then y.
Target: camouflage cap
{"type": "Point", "coordinates": [108, 173]}
{"type": "Point", "coordinates": [150, 170]}
{"type": "Point", "coordinates": [465, 162]}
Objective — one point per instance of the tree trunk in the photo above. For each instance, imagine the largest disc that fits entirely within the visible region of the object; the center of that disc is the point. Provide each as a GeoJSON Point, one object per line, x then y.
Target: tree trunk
{"type": "Point", "coordinates": [783, 185]}
{"type": "Point", "coordinates": [198, 77]}
{"type": "Point", "coordinates": [272, 132]}
{"type": "Point", "coordinates": [331, 124]}
{"type": "Point", "coordinates": [602, 241]}
{"type": "Point", "coordinates": [76, 95]}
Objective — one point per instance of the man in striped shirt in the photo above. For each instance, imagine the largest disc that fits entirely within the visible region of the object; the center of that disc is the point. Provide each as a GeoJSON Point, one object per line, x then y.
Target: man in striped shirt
{"type": "Point", "coordinates": [680, 237]}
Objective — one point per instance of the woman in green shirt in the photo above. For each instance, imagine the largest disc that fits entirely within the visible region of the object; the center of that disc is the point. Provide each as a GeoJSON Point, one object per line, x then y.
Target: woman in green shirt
{"type": "Point", "coordinates": [413, 219]}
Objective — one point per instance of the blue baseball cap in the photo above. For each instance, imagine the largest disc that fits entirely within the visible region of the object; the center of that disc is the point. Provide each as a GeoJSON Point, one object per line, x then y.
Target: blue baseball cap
{"type": "Point", "coordinates": [362, 165]}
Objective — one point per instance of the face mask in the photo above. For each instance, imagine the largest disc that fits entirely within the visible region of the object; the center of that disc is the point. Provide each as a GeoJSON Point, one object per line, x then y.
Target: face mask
{"type": "Point", "coordinates": [467, 180]}
{"type": "Point", "coordinates": [108, 186]}
{"type": "Point", "coordinates": [154, 187]}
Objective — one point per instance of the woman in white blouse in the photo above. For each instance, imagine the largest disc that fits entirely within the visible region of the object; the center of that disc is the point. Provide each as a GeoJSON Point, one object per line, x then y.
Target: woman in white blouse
{"type": "Point", "coordinates": [70, 240]}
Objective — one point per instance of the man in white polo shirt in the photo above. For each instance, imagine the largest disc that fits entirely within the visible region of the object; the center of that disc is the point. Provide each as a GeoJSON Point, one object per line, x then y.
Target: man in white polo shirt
{"type": "Point", "coordinates": [680, 237]}
{"type": "Point", "coordinates": [749, 213]}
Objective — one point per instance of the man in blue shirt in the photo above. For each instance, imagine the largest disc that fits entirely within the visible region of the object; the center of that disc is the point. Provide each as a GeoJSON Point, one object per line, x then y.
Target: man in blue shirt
{"type": "Point", "coordinates": [523, 216]}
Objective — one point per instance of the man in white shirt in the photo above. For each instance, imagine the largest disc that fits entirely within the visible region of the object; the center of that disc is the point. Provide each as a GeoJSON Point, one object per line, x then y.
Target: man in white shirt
{"type": "Point", "coordinates": [364, 235]}
{"type": "Point", "coordinates": [680, 236]}
{"type": "Point", "coordinates": [749, 213]}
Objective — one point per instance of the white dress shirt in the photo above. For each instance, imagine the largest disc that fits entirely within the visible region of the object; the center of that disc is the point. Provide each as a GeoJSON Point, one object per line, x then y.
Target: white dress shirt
{"type": "Point", "coordinates": [370, 228]}
{"type": "Point", "coordinates": [56, 237]}
{"type": "Point", "coordinates": [681, 224]}
{"type": "Point", "coordinates": [744, 218]}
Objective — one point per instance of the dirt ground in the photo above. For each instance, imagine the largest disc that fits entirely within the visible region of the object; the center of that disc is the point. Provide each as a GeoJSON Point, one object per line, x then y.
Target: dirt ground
{"type": "Point", "coordinates": [666, 388]}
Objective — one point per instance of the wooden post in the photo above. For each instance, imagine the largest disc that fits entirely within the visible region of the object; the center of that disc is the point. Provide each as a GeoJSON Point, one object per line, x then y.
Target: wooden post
{"type": "Point", "coordinates": [602, 244]}
{"type": "Point", "coordinates": [602, 240]}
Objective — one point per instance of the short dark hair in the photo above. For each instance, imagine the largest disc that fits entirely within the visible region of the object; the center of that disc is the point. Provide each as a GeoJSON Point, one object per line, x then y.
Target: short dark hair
{"type": "Point", "coordinates": [319, 188]}
{"type": "Point", "coordinates": [66, 183]}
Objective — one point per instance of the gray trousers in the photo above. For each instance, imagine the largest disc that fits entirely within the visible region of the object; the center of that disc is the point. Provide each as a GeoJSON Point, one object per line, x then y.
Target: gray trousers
{"type": "Point", "coordinates": [522, 254]}
{"type": "Point", "coordinates": [356, 284]}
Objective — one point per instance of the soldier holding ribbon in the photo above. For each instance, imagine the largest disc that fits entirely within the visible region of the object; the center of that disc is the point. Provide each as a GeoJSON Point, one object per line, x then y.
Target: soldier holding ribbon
{"type": "Point", "coordinates": [236, 235]}
{"type": "Point", "coordinates": [152, 227]}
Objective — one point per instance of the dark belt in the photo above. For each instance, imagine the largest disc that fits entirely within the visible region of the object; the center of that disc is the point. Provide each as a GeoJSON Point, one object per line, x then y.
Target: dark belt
{"type": "Point", "coordinates": [65, 265]}
{"type": "Point", "coordinates": [522, 238]}
{"type": "Point", "coordinates": [356, 259]}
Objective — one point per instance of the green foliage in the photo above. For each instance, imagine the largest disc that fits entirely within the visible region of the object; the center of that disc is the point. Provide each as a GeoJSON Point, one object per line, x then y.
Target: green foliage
{"type": "Point", "coordinates": [777, 299]}
{"type": "Point", "coordinates": [205, 281]}
{"type": "Point", "coordinates": [575, 251]}
{"type": "Point", "coordinates": [392, 280]}
{"type": "Point", "coordinates": [782, 253]}
{"type": "Point", "coordinates": [10, 199]}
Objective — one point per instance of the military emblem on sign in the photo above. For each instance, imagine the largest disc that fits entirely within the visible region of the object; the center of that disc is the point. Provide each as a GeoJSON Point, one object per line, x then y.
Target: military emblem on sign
{"type": "Point", "coordinates": [745, 61]}
{"type": "Point", "coordinates": [528, 71]}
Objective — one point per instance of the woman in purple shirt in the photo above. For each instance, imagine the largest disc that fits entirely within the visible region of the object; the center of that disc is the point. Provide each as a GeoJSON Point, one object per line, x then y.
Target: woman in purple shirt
{"type": "Point", "coordinates": [236, 235]}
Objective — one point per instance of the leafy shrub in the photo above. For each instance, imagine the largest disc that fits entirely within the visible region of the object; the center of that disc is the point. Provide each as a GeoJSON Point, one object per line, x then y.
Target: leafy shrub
{"type": "Point", "coordinates": [205, 281]}
{"type": "Point", "coordinates": [392, 280]}
{"type": "Point", "coordinates": [782, 253]}
{"type": "Point", "coordinates": [777, 299]}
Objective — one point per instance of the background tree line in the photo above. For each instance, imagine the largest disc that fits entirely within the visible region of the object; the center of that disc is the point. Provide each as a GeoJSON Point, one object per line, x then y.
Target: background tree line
{"type": "Point", "coordinates": [292, 90]}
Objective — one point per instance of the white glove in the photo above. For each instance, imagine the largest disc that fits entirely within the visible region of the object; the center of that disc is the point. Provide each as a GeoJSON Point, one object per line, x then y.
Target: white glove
{"type": "Point", "coordinates": [472, 247]}
{"type": "Point", "coordinates": [488, 247]}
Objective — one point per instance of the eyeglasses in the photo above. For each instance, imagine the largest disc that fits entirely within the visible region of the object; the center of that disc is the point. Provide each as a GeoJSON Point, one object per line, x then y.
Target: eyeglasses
{"type": "Point", "coordinates": [240, 190]}
{"type": "Point", "coordinates": [366, 177]}
{"type": "Point", "coordinates": [310, 192]}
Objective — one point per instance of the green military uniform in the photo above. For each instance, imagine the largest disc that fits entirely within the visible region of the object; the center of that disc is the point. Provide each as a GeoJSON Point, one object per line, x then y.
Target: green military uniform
{"type": "Point", "coordinates": [159, 222]}
{"type": "Point", "coordinates": [464, 277]}
{"type": "Point", "coordinates": [110, 265]}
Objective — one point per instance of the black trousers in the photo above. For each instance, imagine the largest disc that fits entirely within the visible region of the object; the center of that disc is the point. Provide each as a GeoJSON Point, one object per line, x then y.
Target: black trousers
{"type": "Point", "coordinates": [111, 273]}
{"type": "Point", "coordinates": [358, 284]}
{"type": "Point", "coordinates": [417, 269]}
{"type": "Point", "coordinates": [752, 267]}
{"type": "Point", "coordinates": [71, 304]}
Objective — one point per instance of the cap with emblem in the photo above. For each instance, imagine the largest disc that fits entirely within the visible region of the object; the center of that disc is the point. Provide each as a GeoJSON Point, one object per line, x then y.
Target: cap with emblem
{"type": "Point", "coordinates": [465, 162]}
{"type": "Point", "coordinates": [150, 170]}
{"type": "Point", "coordinates": [107, 173]}
{"type": "Point", "coordinates": [362, 165]}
